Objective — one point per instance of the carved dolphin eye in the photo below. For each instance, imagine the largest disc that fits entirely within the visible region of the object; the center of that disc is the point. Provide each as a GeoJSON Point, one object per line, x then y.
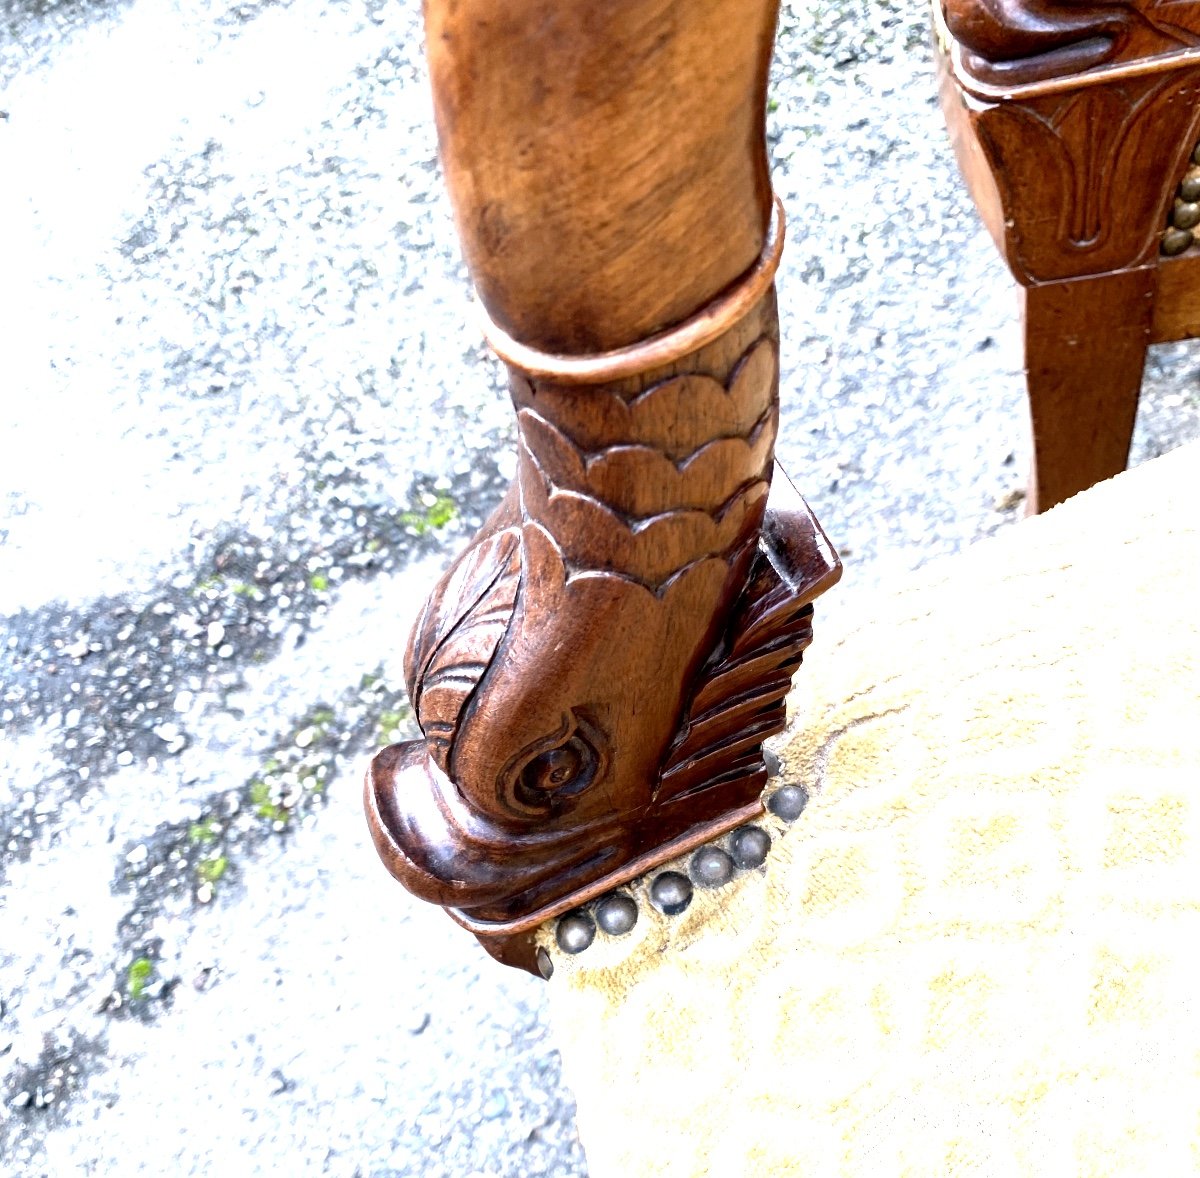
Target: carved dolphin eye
{"type": "Point", "coordinates": [558, 767]}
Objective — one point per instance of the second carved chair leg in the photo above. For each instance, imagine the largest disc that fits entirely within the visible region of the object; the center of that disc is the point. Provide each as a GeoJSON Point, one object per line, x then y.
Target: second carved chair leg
{"type": "Point", "coordinates": [1085, 347]}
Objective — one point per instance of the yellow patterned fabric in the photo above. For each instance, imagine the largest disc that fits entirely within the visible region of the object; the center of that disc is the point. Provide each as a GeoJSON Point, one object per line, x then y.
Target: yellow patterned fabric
{"type": "Point", "coordinates": [977, 951]}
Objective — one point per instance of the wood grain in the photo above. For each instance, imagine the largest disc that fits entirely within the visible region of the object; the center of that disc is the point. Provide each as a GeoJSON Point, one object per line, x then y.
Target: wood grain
{"type": "Point", "coordinates": [595, 674]}
{"type": "Point", "coordinates": [607, 162]}
{"type": "Point", "coordinates": [1073, 125]}
{"type": "Point", "coordinates": [1085, 347]}
{"type": "Point", "coordinates": [1020, 41]}
{"type": "Point", "coordinates": [1176, 300]}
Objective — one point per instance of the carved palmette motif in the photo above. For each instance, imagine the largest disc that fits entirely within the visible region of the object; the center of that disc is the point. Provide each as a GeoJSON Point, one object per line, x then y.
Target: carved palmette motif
{"type": "Point", "coordinates": [1091, 92]}
{"type": "Point", "coordinates": [595, 674]}
{"type": "Point", "coordinates": [1091, 145]}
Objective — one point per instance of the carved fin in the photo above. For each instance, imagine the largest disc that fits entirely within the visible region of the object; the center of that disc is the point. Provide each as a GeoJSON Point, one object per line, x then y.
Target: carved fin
{"type": "Point", "coordinates": [740, 698]}
{"type": "Point", "coordinates": [461, 586]}
{"type": "Point", "coordinates": [454, 645]}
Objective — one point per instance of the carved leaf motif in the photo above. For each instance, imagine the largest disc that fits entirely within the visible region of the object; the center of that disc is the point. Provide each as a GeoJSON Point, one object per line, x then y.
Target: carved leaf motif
{"type": "Point", "coordinates": [742, 697]}
{"type": "Point", "coordinates": [454, 643]}
{"type": "Point", "coordinates": [1086, 206]}
{"type": "Point", "coordinates": [1092, 127]}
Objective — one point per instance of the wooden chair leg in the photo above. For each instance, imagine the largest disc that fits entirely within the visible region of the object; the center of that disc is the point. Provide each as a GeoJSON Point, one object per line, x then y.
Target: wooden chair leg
{"type": "Point", "coordinates": [1085, 347]}
{"type": "Point", "coordinates": [595, 675]}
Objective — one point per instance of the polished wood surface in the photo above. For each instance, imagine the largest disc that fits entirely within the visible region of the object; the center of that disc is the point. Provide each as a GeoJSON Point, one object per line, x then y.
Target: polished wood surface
{"type": "Point", "coordinates": [596, 673]}
{"type": "Point", "coordinates": [1176, 300]}
{"type": "Point", "coordinates": [1008, 42]}
{"type": "Point", "coordinates": [606, 162]}
{"type": "Point", "coordinates": [1085, 346]}
{"type": "Point", "coordinates": [1073, 125]}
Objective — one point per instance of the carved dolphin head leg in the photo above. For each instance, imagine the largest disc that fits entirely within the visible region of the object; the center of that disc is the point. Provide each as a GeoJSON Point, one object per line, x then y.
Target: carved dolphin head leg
{"type": "Point", "coordinates": [566, 661]}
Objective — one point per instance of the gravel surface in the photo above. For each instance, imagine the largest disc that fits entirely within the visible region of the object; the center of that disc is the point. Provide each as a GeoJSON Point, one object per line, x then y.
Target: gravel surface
{"type": "Point", "coordinates": [247, 417]}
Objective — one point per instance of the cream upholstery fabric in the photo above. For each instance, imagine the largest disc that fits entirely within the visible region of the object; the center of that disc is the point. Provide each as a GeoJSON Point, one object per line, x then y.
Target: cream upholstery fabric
{"type": "Point", "coordinates": [978, 950]}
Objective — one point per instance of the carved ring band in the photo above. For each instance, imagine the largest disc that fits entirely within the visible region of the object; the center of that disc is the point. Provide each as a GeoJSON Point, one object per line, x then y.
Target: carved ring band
{"type": "Point", "coordinates": [656, 351]}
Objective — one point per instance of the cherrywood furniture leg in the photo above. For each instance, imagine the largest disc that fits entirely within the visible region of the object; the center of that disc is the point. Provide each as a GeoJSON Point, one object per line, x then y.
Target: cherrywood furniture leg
{"type": "Point", "coordinates": [1074, 124]}
{"type": "Point", "coordinates": [1085, 347]}
{"type": "Point", "coordinates": [595, 675]}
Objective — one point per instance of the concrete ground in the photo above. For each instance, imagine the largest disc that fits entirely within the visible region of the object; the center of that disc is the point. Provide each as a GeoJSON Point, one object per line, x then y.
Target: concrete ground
{"type": "Point", "coordinates": [246, 418]}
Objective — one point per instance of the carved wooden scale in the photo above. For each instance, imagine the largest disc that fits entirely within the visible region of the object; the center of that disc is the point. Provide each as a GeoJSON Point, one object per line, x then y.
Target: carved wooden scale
{"type": "Point", "coordinates": [595, 675]}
